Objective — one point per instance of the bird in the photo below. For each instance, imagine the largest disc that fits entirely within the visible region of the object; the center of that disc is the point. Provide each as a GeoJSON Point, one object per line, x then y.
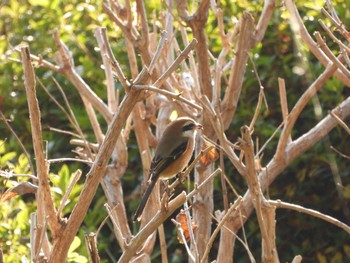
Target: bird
{"type": "Point", "coordinates": [172, 155]}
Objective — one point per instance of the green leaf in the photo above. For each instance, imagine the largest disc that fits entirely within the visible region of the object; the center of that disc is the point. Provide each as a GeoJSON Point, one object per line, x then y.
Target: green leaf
{"type": "Point", "coordinates": [75, 244]}
{"type": "Point", "coordinates": [7, 157]}
{"type": "Point", "coordinates": [44, 3]}
{"type": "Point", "coordinates": [75, 257]}
{"type": "Point", "coordinates": [2, 147]}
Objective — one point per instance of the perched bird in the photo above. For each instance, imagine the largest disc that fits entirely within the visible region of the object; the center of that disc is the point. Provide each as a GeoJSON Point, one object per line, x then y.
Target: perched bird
{"type": "Point", "coordinates": [172, 155]}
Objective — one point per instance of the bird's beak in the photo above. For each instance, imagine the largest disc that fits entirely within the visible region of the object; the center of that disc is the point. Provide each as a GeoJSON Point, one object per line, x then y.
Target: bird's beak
{"type": "Point", "coordinates": [199, 126]}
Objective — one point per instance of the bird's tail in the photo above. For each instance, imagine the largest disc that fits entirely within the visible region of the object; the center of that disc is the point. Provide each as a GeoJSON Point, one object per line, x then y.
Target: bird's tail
{"type": "Point", "coordinates": [138, 213]}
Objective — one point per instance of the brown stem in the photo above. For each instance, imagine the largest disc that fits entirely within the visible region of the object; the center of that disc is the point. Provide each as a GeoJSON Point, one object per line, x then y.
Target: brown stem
{"type": "Point", "coordinates": [60, 248]}
{"type": "Point", "coordinates": [44, 198]}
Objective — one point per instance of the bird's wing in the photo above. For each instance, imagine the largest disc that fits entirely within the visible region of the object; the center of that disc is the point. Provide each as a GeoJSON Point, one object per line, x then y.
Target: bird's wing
{"type": "Point", "coordinates": [159, 163]}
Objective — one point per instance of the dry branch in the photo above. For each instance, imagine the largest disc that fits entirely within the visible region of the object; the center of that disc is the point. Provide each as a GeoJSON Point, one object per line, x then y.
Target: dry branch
{"type": "Point", "coordinates": [67, 69]}
{"type": "Point", "coordinates": [266, 222]}
{"type": "Point", "coordinates": [233, 91]}
{"type": "Point", "coordinates": [44, 199]}
{"type": "Point", "coordinates": [298, 108]}
{"type": "Point", "coordinates": [299, 27]}
{"type": "Point", "coordinates": [60, 249]}
{"type": "Point", "coordinates": [314, 213]}
{"type": "Point", "coordinates": [294, 149]}
{"type": "Point", "coordinates": [147, 230]}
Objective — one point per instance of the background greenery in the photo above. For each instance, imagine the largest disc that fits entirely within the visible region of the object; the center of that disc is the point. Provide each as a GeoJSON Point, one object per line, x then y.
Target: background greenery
{"type": "Point", "coordinates": [308, 181]}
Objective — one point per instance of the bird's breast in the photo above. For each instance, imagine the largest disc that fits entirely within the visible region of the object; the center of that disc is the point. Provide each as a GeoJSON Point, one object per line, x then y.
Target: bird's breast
{"type": "Point", "coordinates": [180, 163]}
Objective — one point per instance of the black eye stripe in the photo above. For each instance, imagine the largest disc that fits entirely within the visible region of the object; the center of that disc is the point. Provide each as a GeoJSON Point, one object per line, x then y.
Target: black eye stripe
{"type": "Point", "coordinates": [188, 127]}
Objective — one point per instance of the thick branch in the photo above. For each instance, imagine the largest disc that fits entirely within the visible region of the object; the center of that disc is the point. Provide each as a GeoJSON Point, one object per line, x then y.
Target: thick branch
{"type": "Point", "coordinates": [264, 19]}
{"type": "Point", "coordinates": [299, 106]}
{"type": "Point", "coordinates": [264, 219]}
{"type": "Point", "coordinates": [60, 249]}
{"type": "Point", "coordinates": [147, 230]}
{"type": "Point", "coordinates": [294, 150]}
{"type": "Point", "coordinates": [44, 196]}
{"type": "Point", "coordinates": [233, 91]}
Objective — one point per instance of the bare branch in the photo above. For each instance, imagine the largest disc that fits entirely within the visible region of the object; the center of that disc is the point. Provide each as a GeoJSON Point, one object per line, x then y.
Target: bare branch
{"type": "Point", "coordinates": [175, 64]}
{"type": "Point", "coordinates": [294, 149]}
{"type": "Point", "coordinates": [299, 106]}
{"type": "Point", "coordinates": [152, 225]}
{"type": "Point", "coordinates": [269, 251]}
{"type": "Point", "coordinates": [169, 94]}
{"type": "Point", "coordinates": [163, 39]}
{"type": "Point", "coordinates": [44, 199]}
{"type": "Point", "coordinates": [233, 91]}
{"type": "Point", "coordinates": [91, 244]}
{"type": "Point", "coordinates": [218, 228]}
{"type": "Point", "coordinates": [114, 62]}
{"type": "Point", "coordinates": [299, 27]}
{"type": "Point", "coordinates": [283, 98]}
{"type": "Point", "coordinates": [26, 153]}
{"type": "Point", "coordinates": [76, 177]}
{"type": "Point", "coordinates": [330, 55]}
{"type": "Point", "coordinates": [68, 70]}
{"type": "Point", "coordinates": [96, 172]}
{"type": "Point", "coordinates": [264, 19]}
{"type": "Point", "coordinates": [314, 213]}
{"type": "Point", "coordinates": [112, 103]}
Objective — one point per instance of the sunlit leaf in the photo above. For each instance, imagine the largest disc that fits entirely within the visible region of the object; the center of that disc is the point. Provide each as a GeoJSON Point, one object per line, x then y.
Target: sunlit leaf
{"type": "Point", "coordinates": [7, 157]}
{"type": "Point", "coordinates": [45, 3]}
{"type": "Point", "coordinates": [2, 147]}
{"type": "Point", "coordinates": [75, 244]}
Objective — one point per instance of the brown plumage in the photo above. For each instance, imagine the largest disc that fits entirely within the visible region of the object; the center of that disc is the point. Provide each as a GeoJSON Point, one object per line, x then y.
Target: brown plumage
{"type": "Point", "coordinates": [172, 155]}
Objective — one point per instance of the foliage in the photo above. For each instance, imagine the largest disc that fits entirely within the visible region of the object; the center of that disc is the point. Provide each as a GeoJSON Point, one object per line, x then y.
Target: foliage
{"type": "Point", "coordinates": [15, 212]}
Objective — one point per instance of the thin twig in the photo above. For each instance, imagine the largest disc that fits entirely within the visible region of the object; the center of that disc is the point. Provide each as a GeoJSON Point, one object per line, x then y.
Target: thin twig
{"type": "Point", "coordinates": [218, 228]}
{"type": "Point", "coordinates": [257, 110]}
{"type": "Point", "coordinates": [269, 139]}
{"type": "Point", "coordinates": [329, 53]}
{"type": "Point", "coordinates": [338, 152]}
{"type": "Point", "coordinates": [190, 230]}
{"type": "Point", "coordinates": [112, 103]}
{"type": "Point", "coordinates": [189, 168]}
{"type": "Point", "coordinates": [10, 174]}
{"type": "Point", "coordinates": [314, 213]}
{"type": "Point", "coordinates": [160, 47]}
{"type": "Point", "coordinates": [163, 245]}
{"type": "Point", "coordinates": [335, 21]}
{"type": "Point", "coordinates": [26, 153]}
{"type": "Point", "coordinates": [76, 124]}
{"type": "Point", "coordinates": [183, 55]}
{"type": "Point", "coordinates": [64, 132]}
{"type": "Point", "coordinates": [340, 122]}
{"type": "Point", "coordinates": [115, 64]}
{"type": "Point", "coordinates": [199, 187]}
{"type": "Point", "coordinates": [117, 229]}
{"type": "Point", "coordinates": [183, 239]}
{"type": "Point", "coordinates": [169, 94]}
{"type": "Point", "coordinates": [76, 177]}
{"type": "Point", "coordinates": [283, 98]}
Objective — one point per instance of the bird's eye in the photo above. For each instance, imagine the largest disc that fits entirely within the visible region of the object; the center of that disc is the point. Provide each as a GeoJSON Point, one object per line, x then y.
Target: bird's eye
{"type": "Point", "coordinates": [188, 126]}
